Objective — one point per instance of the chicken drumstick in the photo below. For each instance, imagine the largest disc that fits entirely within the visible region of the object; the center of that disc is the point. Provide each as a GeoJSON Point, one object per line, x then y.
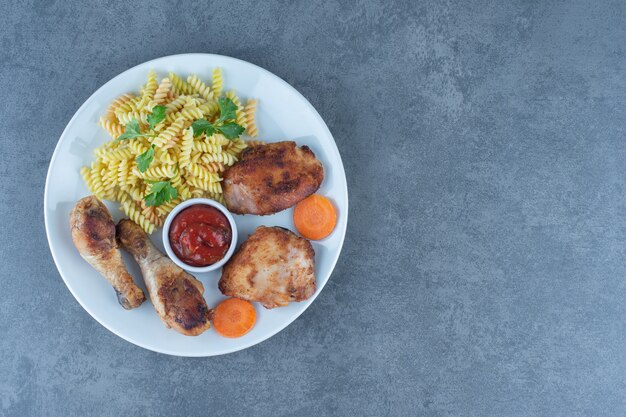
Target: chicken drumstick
{"type": "Point", "coordinates": [93, 233]}
{"type": "Point", "coordinates": [176, 295]}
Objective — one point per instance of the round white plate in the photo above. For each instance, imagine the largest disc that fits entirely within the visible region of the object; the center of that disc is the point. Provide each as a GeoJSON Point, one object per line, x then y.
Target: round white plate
{"type": "Point", "coordinates": [283, 114]}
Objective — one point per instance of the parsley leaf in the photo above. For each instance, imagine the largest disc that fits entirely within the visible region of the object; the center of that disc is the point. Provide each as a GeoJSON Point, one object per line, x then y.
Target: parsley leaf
{"type": "Point", "coordinates": [161, 192]}
{"type": "Point", "coordinates": [231, 130]}
{"type": "Point", "coordinates": [145, 159]}
{"type": "Point", "coordinates": [157, 116]}
{"type": "Point", "coordinates": [200, 126]}
{"type": "Point", "coordinates": [227, 109]}
{"type": "Point", "coordinates": [131, 132]}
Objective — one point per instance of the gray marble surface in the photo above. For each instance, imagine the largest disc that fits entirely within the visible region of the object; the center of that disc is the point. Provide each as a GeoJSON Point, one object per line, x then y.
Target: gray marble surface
{"type": "Point", "coordinates": [484, 264]}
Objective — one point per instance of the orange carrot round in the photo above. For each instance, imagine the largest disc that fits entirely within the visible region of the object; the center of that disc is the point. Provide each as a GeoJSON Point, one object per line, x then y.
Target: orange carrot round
{"type": "Point", "coordinates": [315, 217]}
{"type": "Point", "coordinates": [234, 317]}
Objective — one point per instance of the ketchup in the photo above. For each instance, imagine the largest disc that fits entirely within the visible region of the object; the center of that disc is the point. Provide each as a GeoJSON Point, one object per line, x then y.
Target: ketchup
{"type": "Point", "coordinates": [200, 235]}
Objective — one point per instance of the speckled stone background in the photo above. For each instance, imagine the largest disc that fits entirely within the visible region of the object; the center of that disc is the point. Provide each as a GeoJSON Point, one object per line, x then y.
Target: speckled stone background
{"type": "Point", "coordinates": [484, 267]}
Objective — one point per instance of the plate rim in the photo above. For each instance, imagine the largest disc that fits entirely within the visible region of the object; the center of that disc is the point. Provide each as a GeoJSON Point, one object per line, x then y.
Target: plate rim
{"type": "Point", "coordinates": [246, 345]}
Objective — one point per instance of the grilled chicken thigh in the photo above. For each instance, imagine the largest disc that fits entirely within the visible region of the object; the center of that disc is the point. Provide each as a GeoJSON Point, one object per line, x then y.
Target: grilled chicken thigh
{"type": "Point", "coordinates": [176, 295]}
{"type": "Point", "coordinates": [270, 178]}
{"type": "Point", "coordinates": [93, 233]}
{"type": "Point", "coordinates": [273, 267]}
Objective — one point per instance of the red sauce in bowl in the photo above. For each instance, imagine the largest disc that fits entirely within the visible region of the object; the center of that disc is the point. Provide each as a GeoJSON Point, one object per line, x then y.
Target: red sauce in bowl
{"type": "Point", "coordinates": [200, 235]}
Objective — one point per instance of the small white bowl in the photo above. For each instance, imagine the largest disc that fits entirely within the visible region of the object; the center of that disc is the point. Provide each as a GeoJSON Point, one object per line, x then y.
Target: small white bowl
{"type": "Point", "coordinates": [178, 209]}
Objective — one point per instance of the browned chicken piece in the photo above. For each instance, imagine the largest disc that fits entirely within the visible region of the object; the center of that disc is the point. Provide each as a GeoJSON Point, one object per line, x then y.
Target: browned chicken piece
{"type": "Point", "coordinates": [93, 233]}
{"type": "Point", "coordinates": [271, 178]}
{"type": "Point", "coordinates": [176, 295]}
{"type": "Point", "coordinates": [274, 266]}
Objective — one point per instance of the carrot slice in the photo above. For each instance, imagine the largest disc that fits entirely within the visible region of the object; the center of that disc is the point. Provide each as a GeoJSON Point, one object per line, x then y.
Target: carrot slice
{"type": "Point", "coordinates": [234, 317]}
{"type": "Point", "coordinates": [315, 217]}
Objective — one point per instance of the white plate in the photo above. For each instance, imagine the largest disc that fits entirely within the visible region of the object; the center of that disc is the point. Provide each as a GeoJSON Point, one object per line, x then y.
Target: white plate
{"type": "Point", "coordinates": [283, 114]}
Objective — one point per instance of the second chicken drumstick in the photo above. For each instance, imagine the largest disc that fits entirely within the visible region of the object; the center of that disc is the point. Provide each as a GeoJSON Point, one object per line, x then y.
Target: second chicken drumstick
{"type": "Point", "coordinates": [176, 295]}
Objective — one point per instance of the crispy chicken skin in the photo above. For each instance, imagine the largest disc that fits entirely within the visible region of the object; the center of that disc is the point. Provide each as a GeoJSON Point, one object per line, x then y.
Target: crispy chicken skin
{"type": "Point", "coordinates": [271, 178]}
{"type": "Point", "coordinates": [93, 233]}
{"type": "Point", "coordinates": [176, 295]}
{"type": "Point", "coordinates": [273, 267]}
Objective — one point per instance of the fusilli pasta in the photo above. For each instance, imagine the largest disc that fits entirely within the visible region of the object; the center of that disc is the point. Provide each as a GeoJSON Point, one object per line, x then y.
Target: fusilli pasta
{"type": "Point", "coordinates": [161, 94]}
{"type": "Point", "coordinates": [218, 82]}
{"type": "Point", "coordinates": [192, 165]}
{"type": "Point", "coordinates": [200, 87]}
{"type": "Point", "coordinates": [250, 112]}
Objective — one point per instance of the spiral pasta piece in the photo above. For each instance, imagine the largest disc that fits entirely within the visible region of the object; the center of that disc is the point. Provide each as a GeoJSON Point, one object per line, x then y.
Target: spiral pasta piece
{"type": "Point", "coordinates": [233, 96]}
{"type": "Point", "coordinates": [235, 147]}
{"type": "Point", "coordinates": [219, 197]}
{"type": "Point", "coordinates": [100, 151]}
{"type": "Point", "coordinates": [180, 86]}
{"type": "Point", "coordinates": [175, 105]}
{"type": "Point", "coordinates": [176, 180]}
{"type": "Point", "coordinates": [195, 156]}
{"type": "Point", "coordinates": [194, 100]}
{"type": "Point", "coordinates": [206, 146]}
{"type": "Point", "coordinates": [119, 101]}
{"type": "Point", "coordinates": [109, 194]}
{"type": "Point", "coordinates": [185, 148]}
{"type": "Point", "coordinates": [137, 191]}
{"type": "Point", "coordinates": [168, 134]}
{"type": "Point", "coordinates": [166, 156]}
{"type": "Point", "coordinates": [166, 207]}
{"type": "Point", "coordinates": [187, 113]}
{"type": "Point", "coordinates": [122, 196]}
{"type": "Point", "coordinates": [125, 118]}
{"type": "Point", "coordinates": [197, 192]}
{"type": "Point", "coordinates": [223, 157]}
{"type": "Point", "coordinates": [250, 112]}
{"type": "Point", "coordinates": [209, 109]}
{"type": "Point", "coordinates": [240, 118]}
{"type": "Point", "coordinates": [150, 213]}
{"type": "Point", "coordinates": [218, 139]}
{"type": "Point", "coordinates": [131, 105]}
{"type": "Point", "coordinates": [117, 155]}
{"type": "Point", "coordinates": [157, 173]}
{"type": "Point", "coordinates": [110, 174]}
{"type": "Point", "coordinates": [201, 172]}
{"type": "Point", "coordinates": [200, 87]}
{"type": "Point", "coordinates": [174, 142]}
{"type": "Point", "coordinates": [113, 128]}
{"type": "Point", "coordinates": [184, 192]}
{"type": "Point", "coordinates": [214, 187]}
{"type": "Point", "coordinates": [93, 178]}
{"type": "Point", "coordinates": [149, 89]}
{"type": "Point", "coordinates": [161, 93]}
{"type": "Point", "coordinates": [125, 173]}
{"type": "Point", "coordinates": [218, 82]}
{"type": "Point", "coordinates": [139, 146]}
{"type": "Point", "coordinates": [213, 166]}
{"type": "Point", "coordinates": [86, 174]}
{"type": "Point", "coordinates": [134, 213]}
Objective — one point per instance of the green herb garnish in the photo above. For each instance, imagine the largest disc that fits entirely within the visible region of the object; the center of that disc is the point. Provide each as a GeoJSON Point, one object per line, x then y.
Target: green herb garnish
{"type": "Point", "coordinates": [201, 126]}
{"type": "Point", "coordinates": [145, 159]}
{"type": "Point", "coordinates": [228, 110]}
{"type": "Point", "coordinates": [133, 131]}
{"type": "Point", "coordinates": [231, 130]}
{"type": "Point", "coordinates": [161, 192]}
{"type": "Point", "coordinates": [157, 116]}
